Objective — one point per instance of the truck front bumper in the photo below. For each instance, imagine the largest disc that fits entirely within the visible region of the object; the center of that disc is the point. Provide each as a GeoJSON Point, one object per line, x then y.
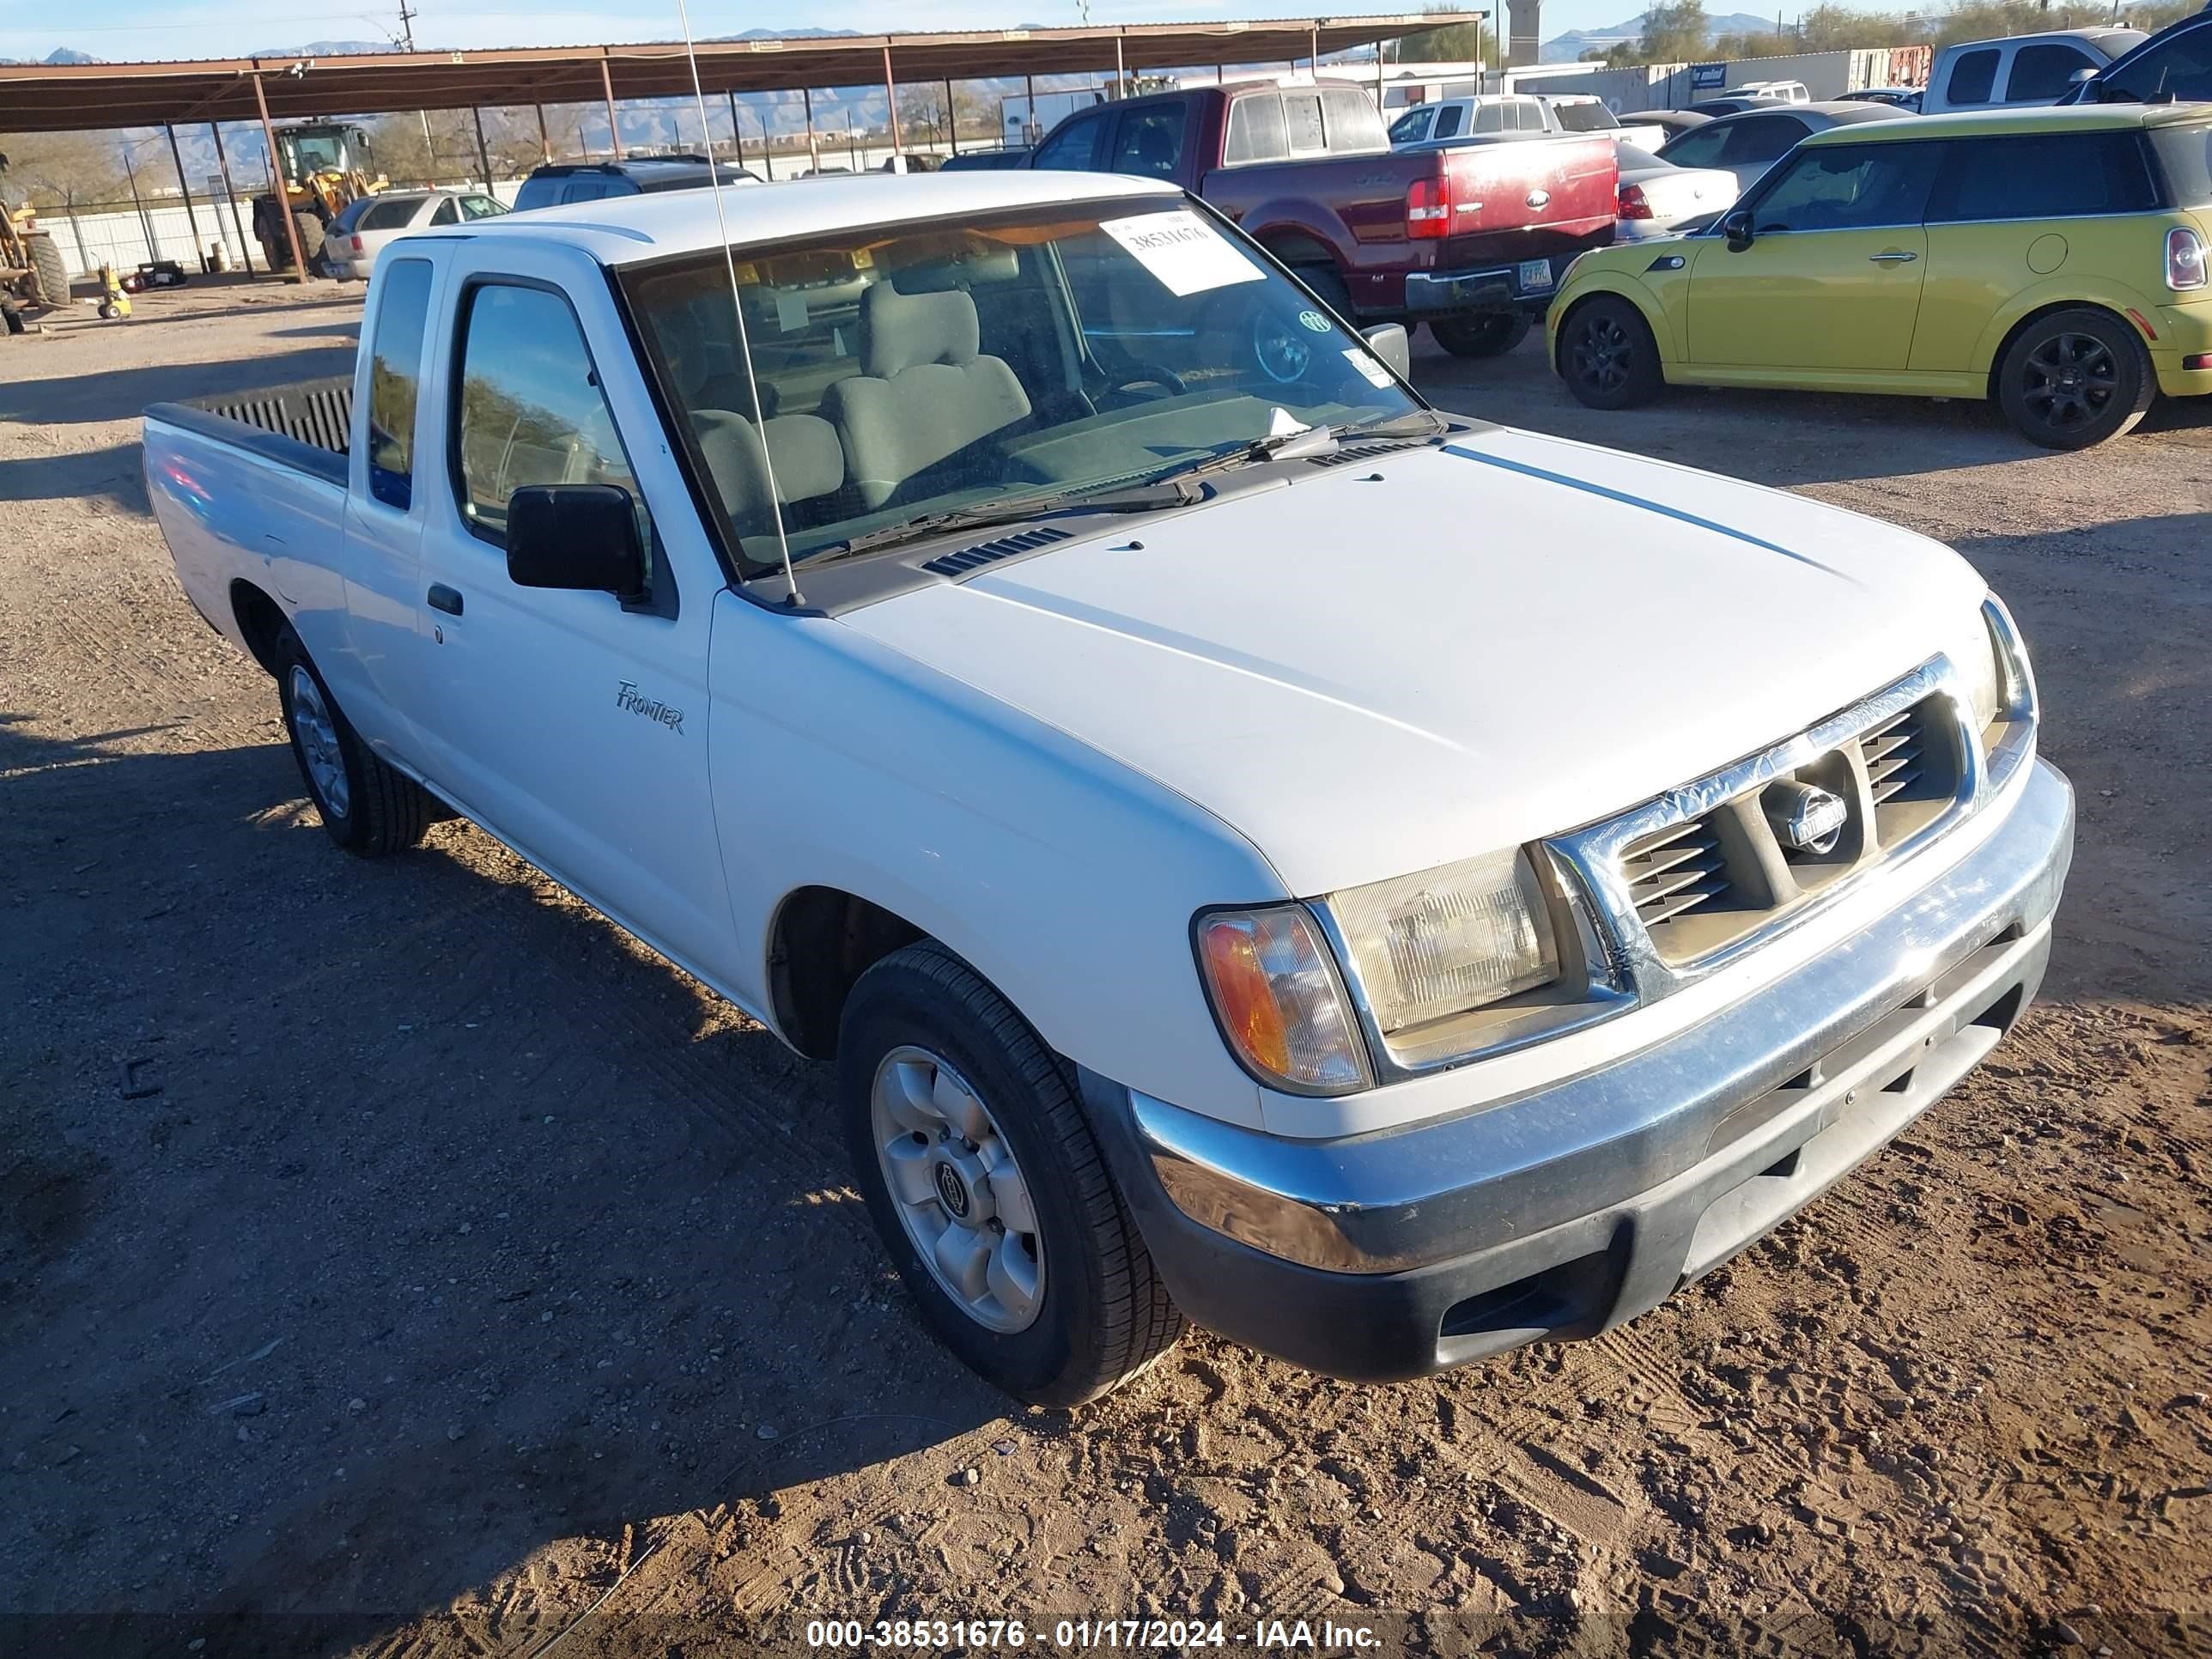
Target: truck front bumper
{"type": "Point", "coordinates": [1564, 1213]}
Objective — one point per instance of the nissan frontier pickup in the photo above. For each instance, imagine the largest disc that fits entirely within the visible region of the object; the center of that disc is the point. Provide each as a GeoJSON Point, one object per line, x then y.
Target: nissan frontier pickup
{"type": "Point", "coordinates": [1255, 849]}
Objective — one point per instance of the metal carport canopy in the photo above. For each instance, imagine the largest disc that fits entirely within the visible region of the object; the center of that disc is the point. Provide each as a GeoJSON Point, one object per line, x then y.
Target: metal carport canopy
{"type": "Point", "coordinates": [83, 97]}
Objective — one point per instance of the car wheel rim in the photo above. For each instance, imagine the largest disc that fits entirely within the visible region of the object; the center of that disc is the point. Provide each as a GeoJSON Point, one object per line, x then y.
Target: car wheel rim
{"type": "Point", "coordinates": [1601, 354]}
{"type": "Point", "coordinates": [2069, 381]}
{"type": "Point", "coordinates": [959, 1193]}
{"type": "Point", "coordinates": [317, 733]}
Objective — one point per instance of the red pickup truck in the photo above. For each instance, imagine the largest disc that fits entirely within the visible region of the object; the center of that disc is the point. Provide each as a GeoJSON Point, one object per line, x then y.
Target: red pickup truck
{"type": "Point", "coordinates": [1471, 241]}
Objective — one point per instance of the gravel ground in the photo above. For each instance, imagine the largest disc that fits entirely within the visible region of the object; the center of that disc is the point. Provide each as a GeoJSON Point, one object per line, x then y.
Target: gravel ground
{"type": "Point", "coordinates": [399, 1260]}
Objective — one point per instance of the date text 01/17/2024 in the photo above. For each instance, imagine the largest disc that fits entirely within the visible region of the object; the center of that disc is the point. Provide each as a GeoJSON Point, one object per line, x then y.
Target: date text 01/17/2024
{"type": "Point", "coordinates": [1164, 1635]}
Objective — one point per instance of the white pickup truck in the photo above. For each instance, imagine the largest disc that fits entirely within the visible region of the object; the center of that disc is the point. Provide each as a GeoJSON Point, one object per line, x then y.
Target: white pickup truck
{"type": "Point", "coordinates": [1383, 886]}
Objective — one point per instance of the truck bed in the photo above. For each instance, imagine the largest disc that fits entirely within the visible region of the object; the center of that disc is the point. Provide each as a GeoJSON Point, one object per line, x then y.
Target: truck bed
{"type": "Point", "coordinates": [254, 489]}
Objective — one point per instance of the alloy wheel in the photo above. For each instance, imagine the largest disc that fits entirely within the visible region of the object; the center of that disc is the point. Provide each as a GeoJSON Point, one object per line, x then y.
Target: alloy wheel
{"type": "Point", "coordinates": [316, 733]}
{"type": "Point", "coordinates": [1601, 354]}
{"type": "Point", "coordinates": [2069, 381]}
{"type": "Point", "coordinates": [959, 1194]}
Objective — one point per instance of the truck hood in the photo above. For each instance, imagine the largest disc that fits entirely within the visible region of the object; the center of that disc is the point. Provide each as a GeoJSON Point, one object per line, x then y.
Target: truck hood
{"type": "Point", "coordinates": [1385, 665]}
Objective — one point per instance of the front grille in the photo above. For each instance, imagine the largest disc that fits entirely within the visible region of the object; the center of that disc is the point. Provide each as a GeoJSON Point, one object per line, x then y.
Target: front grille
{"type": "Point", "coordinates": [1699, 871]}
{"type": "Point", "coordinates": [1675, 872]}
{"type": "Point", "coordinates": [1894, 755]}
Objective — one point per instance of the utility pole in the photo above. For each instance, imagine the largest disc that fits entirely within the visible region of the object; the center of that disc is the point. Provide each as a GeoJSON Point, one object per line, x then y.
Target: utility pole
{"type": "Point", "coordinates": [407, 15]}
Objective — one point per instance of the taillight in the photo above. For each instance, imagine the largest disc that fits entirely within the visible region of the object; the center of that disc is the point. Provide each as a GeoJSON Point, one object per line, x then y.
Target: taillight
{"type": "Point", "coordinates": [1633, 203]}
{"type": "Point", "coordinates": [357, 249]}
{"type": "Point", "coordinates": [1429, 206]}
{"type": "Point", "coordinates": [2184, 258]}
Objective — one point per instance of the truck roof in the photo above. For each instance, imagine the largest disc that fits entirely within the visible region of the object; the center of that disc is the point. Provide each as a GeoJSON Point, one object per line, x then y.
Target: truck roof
{"type": "Point", "coordinates": [629, 229]}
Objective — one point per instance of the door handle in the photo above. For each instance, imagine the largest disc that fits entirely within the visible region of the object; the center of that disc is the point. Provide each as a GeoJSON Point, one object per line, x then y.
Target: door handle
{"type": "Point", "coordinates": [444, 599]}
{"type": "Point", "coordinates": [1894, 256]}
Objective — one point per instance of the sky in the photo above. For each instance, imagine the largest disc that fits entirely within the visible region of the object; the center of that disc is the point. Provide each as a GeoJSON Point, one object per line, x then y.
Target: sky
{"type": "Point", "coordinates": [224, 28]}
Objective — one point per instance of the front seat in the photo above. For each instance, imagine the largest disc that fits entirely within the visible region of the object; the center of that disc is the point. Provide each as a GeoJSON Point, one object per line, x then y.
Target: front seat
{"type": "Point", "coordinates": [925, 392]}
{"type": "Point", "coordinates": [809, 462]}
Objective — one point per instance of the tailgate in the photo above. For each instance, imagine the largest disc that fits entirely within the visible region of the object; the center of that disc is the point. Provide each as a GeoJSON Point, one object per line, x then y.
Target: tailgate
{"type": "Point", "coordinates": [1565, 185]}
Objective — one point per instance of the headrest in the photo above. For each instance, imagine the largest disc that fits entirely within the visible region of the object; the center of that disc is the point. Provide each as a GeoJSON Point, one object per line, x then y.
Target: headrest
{"type": "Point", "coordinates": [809, 459]}
{"type": "Point", "coordinates": [900, 331]}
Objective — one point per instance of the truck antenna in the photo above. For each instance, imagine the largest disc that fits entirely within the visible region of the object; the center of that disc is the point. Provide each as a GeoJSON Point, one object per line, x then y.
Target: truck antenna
{"type": "Point", "coordinates": [737, 306]}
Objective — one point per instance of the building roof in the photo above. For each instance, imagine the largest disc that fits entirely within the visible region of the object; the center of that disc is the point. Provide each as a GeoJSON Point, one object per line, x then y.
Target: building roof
{"type": "Point", "coordinates": [82, 97]}
{"type": "Point", "coordinates": [629, 229]}
{"type": "Point", "coordinates": [1997, 123]}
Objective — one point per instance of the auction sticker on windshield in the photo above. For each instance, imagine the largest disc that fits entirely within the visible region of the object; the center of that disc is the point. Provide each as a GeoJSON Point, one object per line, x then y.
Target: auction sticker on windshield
{"type": "Point", "coordinates": [1184, 252]}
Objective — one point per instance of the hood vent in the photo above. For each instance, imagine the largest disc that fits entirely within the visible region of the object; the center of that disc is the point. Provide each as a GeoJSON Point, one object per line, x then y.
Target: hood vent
{"type": "Point", "coordinates": [1365, 451]}
{"type": "Point", "coordinates": [983, 553]}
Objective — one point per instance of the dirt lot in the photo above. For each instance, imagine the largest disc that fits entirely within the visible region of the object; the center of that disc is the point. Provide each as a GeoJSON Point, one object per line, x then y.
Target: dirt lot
{"type": "Point", "coordinates": [398, 1259]}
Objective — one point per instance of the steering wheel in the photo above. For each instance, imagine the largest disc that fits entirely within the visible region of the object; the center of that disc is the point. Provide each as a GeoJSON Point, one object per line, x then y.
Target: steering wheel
{"type": "Point", "coordinates": [1142, 373]}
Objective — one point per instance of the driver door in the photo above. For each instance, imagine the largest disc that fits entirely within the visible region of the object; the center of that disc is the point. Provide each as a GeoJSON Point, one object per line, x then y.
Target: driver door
{"type": "Point", "coordinates": [1831, 276]}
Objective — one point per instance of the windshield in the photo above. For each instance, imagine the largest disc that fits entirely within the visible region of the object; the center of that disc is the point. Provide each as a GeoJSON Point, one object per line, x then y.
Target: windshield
{"type": "Point", "coordinates": [906, 371]}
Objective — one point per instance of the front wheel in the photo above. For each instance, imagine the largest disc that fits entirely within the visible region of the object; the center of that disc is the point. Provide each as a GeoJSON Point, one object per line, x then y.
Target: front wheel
{"type": "Point", "coordinates": [1608, 356]}
{"type": "Point", "coordinates": [1488, 334]}
{"type": "Point", "coordinates": [987, 1187]}
{"type": "Point", "coordinates": [2075, 378]}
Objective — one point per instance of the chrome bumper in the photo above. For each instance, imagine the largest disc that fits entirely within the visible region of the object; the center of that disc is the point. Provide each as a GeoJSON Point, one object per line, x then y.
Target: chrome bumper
{"type": "Point", "coordinates": [1567, 1211]}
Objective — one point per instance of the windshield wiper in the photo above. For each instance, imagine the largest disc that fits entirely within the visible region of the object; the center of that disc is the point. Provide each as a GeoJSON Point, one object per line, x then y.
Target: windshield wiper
{"type": "Point", "coordinates": [1307, 440]}
{"type": "Point", "coordinates": [1148, 498]}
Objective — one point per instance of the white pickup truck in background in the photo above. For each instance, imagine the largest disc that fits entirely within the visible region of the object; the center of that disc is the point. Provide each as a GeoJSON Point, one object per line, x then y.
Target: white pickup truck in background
{"type": "Point", "coordinates": [1386, 887]}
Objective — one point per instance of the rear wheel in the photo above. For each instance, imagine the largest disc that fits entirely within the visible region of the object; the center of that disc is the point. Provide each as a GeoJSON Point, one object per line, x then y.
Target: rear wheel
{"type": "Point", "coordinates": [1608, 356]}
{"type": "Point", "coordinates": [51, 269]}
{"type": "Point", "coordinates": [310, 240]}
{"type": "Point", "coordinates": [370, 809]}
{"type": "Point", "coordinates": [1487, 334]}
{"type": "Point", "coordinates": [2075, 378]}
{"type": "Point", "coordinates": [987, 1189]}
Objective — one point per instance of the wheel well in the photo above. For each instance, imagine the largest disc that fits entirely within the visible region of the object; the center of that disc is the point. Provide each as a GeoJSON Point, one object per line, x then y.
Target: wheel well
{"type": "Point", "coordinates": [1293, 249]}
{"type": "Point", "coordinates": [1997, 359]}
{"type": "Point", "coordinates": [260, 622]}
{"type": "Point", "coordinates": [823, 940]}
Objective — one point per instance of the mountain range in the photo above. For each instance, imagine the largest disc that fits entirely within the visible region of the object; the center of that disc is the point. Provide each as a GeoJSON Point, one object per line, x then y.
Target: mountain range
{"type": "Point", "coordinates": [1569, 47]}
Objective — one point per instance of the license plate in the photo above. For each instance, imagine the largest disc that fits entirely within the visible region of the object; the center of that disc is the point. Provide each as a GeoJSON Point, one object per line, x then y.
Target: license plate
{"type": "Point", "coordinates": [1535, 273]}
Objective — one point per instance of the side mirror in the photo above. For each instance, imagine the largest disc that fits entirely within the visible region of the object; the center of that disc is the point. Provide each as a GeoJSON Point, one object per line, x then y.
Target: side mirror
{"type": "Point", "coordinates": [1736, 225]}
{"type": "Point", "coordinates": [1389, 342]}
{"type": "Point", "coordinates": [582, 537]}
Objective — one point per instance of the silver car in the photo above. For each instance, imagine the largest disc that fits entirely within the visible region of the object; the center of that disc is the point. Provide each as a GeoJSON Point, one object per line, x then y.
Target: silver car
{"type": "Point", "coordinates": [1658, 198]}
{"type": "Point", "coordinates": [356, 235]}
{"type": "Point", "coordinates": [1754, 140]}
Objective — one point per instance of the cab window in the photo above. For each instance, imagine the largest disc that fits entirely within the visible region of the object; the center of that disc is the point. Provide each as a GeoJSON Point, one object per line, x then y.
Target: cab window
{"type": "Point", "coordinates": [2043, 176]}
{"type": "Point", "coordinates": [1149, 142]}
{"type": "Point", "coordinates": [528, 408]}
{"type": "Point", "coordinates": [395, 373]}
{"type": "Point", "coordinates": [1072, 149]}
{"type": "Point", "coordinates": [1354, 123]}
{"type": "Point", "coordinates": [1973, 78]}
{"type": "Point", "coordinates": [1448, 120]}
{"type": "Point", "coordinates": [1848, 187]}
{"type": "Point", "coordinates": [1409, 128]}
{"type": "Point", "coordinates": [1301, 121]}
{"type": "Point", "coordinates": [2041, 73]}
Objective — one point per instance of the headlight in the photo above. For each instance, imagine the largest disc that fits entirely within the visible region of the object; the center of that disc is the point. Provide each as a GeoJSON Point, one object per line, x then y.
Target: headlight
{"type": "Point", "coordinates": [1447, 940]}
{"type": "Point", "coordinates": [1278, 1001]}
{"type": "Point", "coordinates": [1973, 657]}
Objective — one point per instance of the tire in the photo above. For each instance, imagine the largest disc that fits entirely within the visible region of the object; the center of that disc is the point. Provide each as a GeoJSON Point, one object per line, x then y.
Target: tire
{"type": "Point", "coordinates": [51, 270]}
{"type": "Point", "coordinates": [1489, 334]}
{"type": "Point", "coordinates": [310, 240]}
{"type": "Point", "coordinates": [370, 809]}
{"type": "Point", "coordinates": [1330, 289]}
{"type": "Point", "coordinates": [1607, 356]}
{"type": "Point", "coordinates": [2075, 378]}
{"type": "Point", "coordinates": [1086, 1311]}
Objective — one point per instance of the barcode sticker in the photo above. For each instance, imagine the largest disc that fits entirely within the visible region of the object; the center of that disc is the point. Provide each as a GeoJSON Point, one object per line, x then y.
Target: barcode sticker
{"type": "Point", "coordinates": [1184, 252]}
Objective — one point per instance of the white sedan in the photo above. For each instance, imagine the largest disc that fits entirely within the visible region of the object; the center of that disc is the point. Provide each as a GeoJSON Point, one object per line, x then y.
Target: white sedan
{"type": "Point", "coordinates": [362, 229]}
{"type": "Point", "coordinates": [1657, 198]}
